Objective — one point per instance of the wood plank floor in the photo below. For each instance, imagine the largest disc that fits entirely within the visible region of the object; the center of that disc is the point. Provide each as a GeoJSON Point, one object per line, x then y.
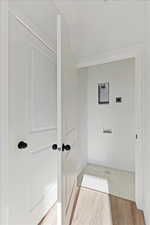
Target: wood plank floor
{"type": "Point", "coordinates": [96, 208]}
{"type": "Point", "coordinates": [125, 212]}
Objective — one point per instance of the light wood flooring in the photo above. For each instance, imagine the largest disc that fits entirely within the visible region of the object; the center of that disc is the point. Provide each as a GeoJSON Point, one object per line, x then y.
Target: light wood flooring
{"type": "Point", "coordinates": [96, 208]}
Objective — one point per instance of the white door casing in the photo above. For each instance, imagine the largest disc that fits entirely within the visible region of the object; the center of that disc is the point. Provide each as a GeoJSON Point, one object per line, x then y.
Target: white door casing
{"type": "Point", "coordinates": [67, 123]}
{"type": "Point", "coordinates": [4, 112]}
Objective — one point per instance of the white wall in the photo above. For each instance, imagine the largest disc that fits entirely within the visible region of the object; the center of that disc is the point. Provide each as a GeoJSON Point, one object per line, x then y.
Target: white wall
{"type": "Point", "coordinates": [146, 148]}
{"type": "Point", "coordinates": [115, 150]}
{"type": "Point", "coordinates": [83, 107]}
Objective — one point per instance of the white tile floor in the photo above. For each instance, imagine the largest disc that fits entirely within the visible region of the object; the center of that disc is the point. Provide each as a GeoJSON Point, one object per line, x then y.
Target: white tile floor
{"type": "Point", "coordinates": [120, 183]}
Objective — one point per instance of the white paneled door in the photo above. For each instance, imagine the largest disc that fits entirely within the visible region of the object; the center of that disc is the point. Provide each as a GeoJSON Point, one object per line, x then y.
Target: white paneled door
{"type": "Point", "coordinates": [42, 119]}
{"type": "Point", "coordinates": [32, 125]}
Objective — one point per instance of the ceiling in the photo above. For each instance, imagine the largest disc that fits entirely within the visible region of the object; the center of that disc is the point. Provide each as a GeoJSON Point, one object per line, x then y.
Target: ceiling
{"type": "Point", "coordinates": [98, 26]}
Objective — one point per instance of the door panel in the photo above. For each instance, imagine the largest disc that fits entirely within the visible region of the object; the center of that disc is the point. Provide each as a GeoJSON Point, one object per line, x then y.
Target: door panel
{"type": "Point", "coordinates": [32, 119]}
{"type": "Point", "coordinates": [43, 92]}
{"type": "Point", "coordinates": [42, 99]}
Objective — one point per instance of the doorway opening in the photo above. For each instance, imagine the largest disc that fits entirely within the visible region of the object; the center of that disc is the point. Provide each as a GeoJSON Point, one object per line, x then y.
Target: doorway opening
{"type": "Point", "coordinates": [102, 176]}
{"type": "Point", "coordinates": [110, 139]}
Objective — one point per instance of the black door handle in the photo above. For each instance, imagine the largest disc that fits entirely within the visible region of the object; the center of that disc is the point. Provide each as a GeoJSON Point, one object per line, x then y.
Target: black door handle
{"type": "Point", "coordinates": [22, 145]}
{"type": "Point", "coordinates": [54, 146]}
{"type": "Point", "coordinates": [66, 147]}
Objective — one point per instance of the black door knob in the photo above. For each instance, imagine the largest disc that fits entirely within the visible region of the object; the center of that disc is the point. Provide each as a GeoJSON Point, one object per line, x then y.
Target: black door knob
{"type": "Point", "coordinates": [22, 145]}
{"type": "Point", "coordinates": [54, 146]}
{"type": "Point", "coordinates": [66, 147]}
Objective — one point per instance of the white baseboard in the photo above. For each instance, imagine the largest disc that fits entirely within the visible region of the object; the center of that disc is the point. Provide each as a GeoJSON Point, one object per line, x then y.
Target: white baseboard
{"type": "Point", "coordinates": [81, 168]}
{"type": "Point", "coordinates": [99, 163]}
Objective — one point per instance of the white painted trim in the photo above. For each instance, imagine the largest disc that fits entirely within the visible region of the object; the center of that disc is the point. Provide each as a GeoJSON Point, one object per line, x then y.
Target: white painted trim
{"type": "Point", "coordinates": [34, 33]}
{"type": "Point", "coordinates": [4, 112]}
{"type": "Point", "coordinates": [139, 71]}
{"type": "Point", "coordinates": [60, 207]}
{"type": "Point", "coordinates": [43, 129]}
{"type": "Point", "coordinates": [41, 149]}
{"type": "Point", "coordinates": [99, 163]}
{"type": "Point", "coordinates": [136, 52]}
{"type": "Point", "coordinates": [81, 168]}
{"type": "Point", "coordinates": [110, 56]}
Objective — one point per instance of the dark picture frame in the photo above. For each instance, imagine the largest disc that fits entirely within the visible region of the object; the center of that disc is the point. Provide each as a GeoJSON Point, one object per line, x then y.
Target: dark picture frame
{"type": "Point", "coordinates": [103, 93]}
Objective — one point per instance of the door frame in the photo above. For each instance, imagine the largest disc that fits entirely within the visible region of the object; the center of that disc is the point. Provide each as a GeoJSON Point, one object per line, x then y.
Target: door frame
{"type": "Point", "coordinates": [60, 213]}
{"type": "Point", "coordinates": [4, 112]}
{"type": "Point", "coordinates": [137, 53]}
